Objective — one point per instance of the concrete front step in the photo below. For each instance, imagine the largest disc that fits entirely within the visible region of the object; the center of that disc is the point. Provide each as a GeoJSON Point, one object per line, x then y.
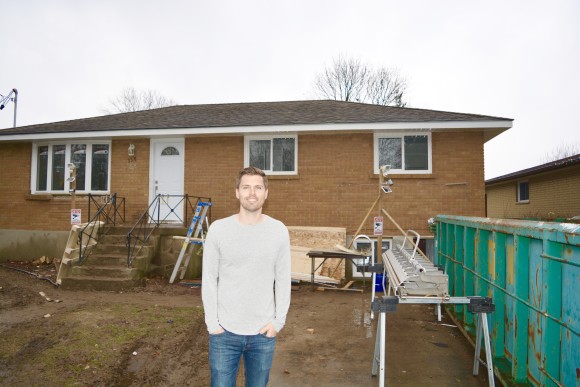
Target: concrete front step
{"type": "Point", "coordinates": [120, 249]}
{"type": "Point", "coordinates": [97, 259]}
{"type": "Point", "coordinates": [106, 272]}
{"type": "Point", "coordinates": [100, 283]}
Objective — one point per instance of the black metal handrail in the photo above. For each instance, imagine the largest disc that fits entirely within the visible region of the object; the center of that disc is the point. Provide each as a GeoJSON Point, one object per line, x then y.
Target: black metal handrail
{"type": "Point", "coordinates": [108, 213]}
{"type": "Point", "coordinates": [118, 205]}
{"type": "Point", "coordinates": [152, 218]}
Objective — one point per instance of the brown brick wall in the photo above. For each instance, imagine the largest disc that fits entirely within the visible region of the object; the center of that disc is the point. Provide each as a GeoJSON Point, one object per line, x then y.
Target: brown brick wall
{"type": "Point", "coordinates": [552, 195]}
{"type": "Point", "coordinates": [335, 186]}
{"type": "Point", "coordinates": [16, 210]}
{"type": "Point", "coordinates": [21, 211]}
{"type": "Point", "coordinates": [130, 177]}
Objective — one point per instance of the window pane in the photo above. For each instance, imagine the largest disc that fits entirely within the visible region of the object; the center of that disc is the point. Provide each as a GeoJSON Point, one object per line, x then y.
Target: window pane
{"type": "Point", "coordinates": [42, 168]}
{"type": "Point", "coordinates": [416, 153]}
{"type": "Point", "coordinates": [260, 154]}
{"type": "Point", "coordinates": [100, 167]}
{"type": "Point", "coordinates": [524, 191]}
{"type": "Point", "coordinates": [78, 157]}
{"type": "Point", "coordinates": [170, 151]}
{"type": "Point", "coordinates": [58, 160]}
{"type": "Point", "coordinates": [390, 152]}
{"type": "Point", "coordinates": [284, 154]}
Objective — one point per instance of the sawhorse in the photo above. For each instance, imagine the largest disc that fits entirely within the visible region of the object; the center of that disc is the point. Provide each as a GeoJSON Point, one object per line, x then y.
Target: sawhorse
{"type": "Point", "coordinates": [479, 306]}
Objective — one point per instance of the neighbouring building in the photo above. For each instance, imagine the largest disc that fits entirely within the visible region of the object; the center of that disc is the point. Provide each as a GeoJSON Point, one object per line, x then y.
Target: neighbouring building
{"type": "Point", "coordinates": [546, 192]}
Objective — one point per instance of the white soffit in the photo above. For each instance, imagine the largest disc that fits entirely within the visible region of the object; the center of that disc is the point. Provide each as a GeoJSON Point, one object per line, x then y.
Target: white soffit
{"type": "Point", "coordinates": [394, 126]}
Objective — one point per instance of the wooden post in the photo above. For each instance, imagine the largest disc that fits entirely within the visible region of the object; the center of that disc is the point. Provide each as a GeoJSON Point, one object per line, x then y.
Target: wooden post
{"type": "Point", "coordinates": [380, 204]}
{"type": "Point", "coordinates": [404, 233]}
{"type": "Point", "coordinates": [364, 221]}
{"type": "Point", "coordinates": [73, 186]}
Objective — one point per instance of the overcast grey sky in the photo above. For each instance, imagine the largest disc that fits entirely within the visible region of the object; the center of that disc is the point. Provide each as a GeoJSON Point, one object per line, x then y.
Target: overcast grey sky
{"type": "Point", "coordinates": [518, 59]}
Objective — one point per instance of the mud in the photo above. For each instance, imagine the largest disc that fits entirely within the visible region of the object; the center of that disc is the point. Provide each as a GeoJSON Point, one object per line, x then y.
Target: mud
{"type": "Point", "coordinates": [156, 336]}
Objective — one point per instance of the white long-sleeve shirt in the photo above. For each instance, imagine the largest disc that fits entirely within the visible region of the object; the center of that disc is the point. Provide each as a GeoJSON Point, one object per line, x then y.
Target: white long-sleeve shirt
{"type": "Point", "coordinates": [246, 280]}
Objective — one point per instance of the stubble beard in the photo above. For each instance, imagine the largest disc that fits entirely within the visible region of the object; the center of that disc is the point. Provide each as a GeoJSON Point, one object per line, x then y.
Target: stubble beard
{"type": "Point", "coordinates": [252, 207]}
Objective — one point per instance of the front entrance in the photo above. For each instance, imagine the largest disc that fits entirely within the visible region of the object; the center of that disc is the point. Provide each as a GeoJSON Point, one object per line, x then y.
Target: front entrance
{"type": "Point", "coordinates": [167, 160]}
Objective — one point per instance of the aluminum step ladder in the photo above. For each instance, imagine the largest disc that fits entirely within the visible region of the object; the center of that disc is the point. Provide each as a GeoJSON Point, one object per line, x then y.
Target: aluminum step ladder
{"type": "Point", "coordinates": [194, 236]}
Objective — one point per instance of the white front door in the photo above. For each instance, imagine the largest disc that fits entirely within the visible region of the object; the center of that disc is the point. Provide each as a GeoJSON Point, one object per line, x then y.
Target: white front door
{"type": "Point", "coordinates": [167, 159]}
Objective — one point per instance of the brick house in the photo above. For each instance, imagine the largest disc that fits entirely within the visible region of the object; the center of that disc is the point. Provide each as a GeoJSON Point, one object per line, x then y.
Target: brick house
{"type": "Point", "coordinates": [548, 191]}
{"type": "Point", "coordinates": [322, 158]}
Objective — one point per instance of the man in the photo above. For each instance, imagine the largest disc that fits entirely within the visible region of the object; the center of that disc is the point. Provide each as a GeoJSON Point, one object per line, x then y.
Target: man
{"type": "Point", "coordinates": [245, 285]}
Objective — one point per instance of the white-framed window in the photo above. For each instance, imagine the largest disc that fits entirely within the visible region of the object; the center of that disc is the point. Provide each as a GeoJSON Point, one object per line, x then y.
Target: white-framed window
{"type": "Point", "coordinates": [523, 192]}
{"type": "Point", "coordinates": [51, 166]}
{"type": "Point", "coordinates": [408, 153]}
{"type": "Point", "coordinates": [275, 155]}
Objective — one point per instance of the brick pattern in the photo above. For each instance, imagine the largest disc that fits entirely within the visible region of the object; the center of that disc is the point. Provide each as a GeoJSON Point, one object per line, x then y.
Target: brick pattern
{"type": "Point", "coordinates": [130, 176]}
{"type": "Point", "coordinates": [335, 186]}
{"type": "Point", "coordinates": [552, 195]}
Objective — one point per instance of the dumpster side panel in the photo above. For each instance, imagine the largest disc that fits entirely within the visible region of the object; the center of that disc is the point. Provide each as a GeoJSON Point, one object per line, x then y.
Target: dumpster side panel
{"type": "Point", "coordinates": [532, 272]}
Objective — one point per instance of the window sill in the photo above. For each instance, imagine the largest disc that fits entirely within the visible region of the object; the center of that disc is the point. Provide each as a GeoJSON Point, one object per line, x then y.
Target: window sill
{"type": "Point", "coordinates": [40, 197]}
{"type": "Point", "coordinates": [405, 176]}
{"type": "Point", "coordinates": [523, 202]}
{"type": "Point", "coordinates": [283, 177]}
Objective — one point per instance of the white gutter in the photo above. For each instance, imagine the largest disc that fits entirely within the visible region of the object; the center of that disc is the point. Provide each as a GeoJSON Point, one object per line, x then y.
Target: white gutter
{"type": "Point", "coordinates": [426, 126]}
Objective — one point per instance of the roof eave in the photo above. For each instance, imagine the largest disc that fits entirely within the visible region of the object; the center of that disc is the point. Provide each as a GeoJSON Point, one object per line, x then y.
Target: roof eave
{"type": "Point", "coordinates": [535, 171]}
{"type": "Point", "coordinates": [491, 129]}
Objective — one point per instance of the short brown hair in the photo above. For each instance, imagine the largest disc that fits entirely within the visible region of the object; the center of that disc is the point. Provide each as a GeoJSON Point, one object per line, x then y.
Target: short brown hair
{"type": "Point", "coordinates": [251, 171]}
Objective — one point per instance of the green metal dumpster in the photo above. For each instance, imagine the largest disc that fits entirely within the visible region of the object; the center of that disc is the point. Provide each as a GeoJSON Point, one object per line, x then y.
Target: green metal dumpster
{"type": "Point", "coordinates": [532, 272]}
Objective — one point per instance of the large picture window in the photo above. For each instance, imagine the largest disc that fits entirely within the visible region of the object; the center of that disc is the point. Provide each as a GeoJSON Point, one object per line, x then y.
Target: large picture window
{"type": "Point", "coordinates": [51, 169]}
{"type": "Point", "coordinates": [405, 153]}
{"type": "Point", "coordinates": [276, 155]}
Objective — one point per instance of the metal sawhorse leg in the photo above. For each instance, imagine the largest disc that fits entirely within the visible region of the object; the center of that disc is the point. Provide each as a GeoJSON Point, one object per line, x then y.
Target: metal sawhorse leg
{"type": "Point", "coordinates": [477, 305]}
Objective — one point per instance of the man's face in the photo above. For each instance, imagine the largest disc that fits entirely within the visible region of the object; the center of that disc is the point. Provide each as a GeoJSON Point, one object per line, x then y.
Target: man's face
{"type": "Point", "coordinates": [252, 193]}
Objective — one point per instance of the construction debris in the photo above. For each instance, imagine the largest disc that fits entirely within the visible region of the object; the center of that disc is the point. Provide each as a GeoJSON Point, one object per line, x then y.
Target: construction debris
{"type": "Point", "coordinates": [317, 278]}
{"type": "Point", "coordinates": [42, 261]}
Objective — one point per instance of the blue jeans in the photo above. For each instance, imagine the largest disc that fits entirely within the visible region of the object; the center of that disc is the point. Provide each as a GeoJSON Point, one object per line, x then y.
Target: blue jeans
{"type": "Point", "coordinates": [225, 351]}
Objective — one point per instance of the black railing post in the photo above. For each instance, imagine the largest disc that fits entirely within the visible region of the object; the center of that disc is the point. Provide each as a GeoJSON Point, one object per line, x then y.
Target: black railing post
{"type": "Point", "coordinates": [129, 250]}
{"type": "Point", "coordinates": [114, 200]}
{"type": "Point", "coordinates": [89, 206]}
{"type": "Point", "coordinates": [81, 246]}
{"type": "Point", "coordinates": [158, 199]}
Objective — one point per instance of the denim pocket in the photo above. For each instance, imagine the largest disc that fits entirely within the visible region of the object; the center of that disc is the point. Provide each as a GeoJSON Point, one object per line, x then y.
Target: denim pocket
{"type": "Point", "coordinates": [267, 337]}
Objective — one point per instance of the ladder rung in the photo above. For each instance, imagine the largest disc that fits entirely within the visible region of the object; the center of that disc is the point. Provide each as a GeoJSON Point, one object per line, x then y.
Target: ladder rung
{"type": "Point", "coordinates": [189, 239]}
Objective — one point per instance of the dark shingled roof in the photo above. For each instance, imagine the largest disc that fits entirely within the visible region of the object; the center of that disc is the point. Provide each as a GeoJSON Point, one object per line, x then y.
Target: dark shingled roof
{"type": "Point", "coordinates": [250, 114]}
{"type": "Point", "coordinates": [553, 165]}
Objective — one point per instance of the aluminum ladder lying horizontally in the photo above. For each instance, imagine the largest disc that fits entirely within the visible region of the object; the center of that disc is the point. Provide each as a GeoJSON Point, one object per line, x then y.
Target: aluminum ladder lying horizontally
{"type": "Point", "coordinates": [412, 274]}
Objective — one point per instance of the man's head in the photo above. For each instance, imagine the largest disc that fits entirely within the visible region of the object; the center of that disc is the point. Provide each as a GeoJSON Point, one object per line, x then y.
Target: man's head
{"type": "Point", "coordinates": [252, 189]}
{"type": "Point", "coordinates": [252, 171]}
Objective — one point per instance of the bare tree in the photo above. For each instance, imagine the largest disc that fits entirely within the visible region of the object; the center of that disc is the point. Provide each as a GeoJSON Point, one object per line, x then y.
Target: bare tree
{"type": "Point", "coordinates": [344, 81]}
{"type": "Point", "coordinates": [387, 87]}
{"type": "Point", "coordinates": [562, 151]}
{"type": "Point", "coordinates": [350, 80]}
{"type": "Point", "coordinates": [132, 100]}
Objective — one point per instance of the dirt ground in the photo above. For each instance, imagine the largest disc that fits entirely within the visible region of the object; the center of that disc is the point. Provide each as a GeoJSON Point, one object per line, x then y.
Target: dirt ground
{"type": "Point", "coordinates": [155, 336]}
